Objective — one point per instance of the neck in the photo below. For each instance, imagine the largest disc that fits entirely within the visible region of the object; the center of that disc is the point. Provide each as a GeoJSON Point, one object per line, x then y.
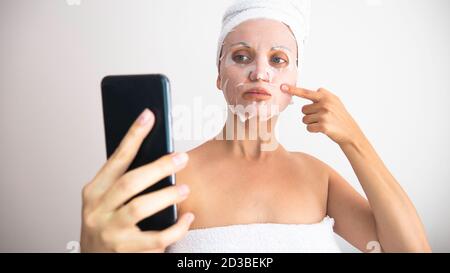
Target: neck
{"type": "Point", "coordinates": [252, 139]}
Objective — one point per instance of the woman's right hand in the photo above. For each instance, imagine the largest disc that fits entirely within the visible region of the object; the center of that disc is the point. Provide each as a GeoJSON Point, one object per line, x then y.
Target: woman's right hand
{"type": "Point", "coordinates": [110, 226]}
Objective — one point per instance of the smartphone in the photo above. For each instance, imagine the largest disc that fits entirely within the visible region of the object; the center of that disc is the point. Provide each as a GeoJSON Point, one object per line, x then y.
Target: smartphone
{"type": "Point", "coordinates": [124, 97]}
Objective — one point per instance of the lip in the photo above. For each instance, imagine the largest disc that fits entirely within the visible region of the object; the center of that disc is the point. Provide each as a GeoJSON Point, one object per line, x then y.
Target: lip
{"type": "Point", "coordinates": [258, 92]}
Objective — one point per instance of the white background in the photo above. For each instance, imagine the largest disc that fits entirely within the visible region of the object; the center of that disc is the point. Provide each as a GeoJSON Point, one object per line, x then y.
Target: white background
{"type": "Point", "coordinates": [388, 61]}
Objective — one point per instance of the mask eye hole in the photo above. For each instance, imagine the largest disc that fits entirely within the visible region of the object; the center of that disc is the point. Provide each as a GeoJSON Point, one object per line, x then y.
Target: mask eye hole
{"type": "Point", "coordinates": [279, 59]}
{"type": "Point", "coordinates": [242, 57]}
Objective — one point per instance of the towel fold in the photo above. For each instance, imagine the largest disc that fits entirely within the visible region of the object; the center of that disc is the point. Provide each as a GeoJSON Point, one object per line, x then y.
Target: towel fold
{"type": "Point", "coordinates": [260, 238]}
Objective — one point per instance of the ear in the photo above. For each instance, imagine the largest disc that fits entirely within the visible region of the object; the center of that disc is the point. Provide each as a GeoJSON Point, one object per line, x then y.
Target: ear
{"type": "Point", "coordinates": [218, 82]}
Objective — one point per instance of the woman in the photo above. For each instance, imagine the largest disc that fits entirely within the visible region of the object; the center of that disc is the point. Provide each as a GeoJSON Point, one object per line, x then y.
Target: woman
{"type": "Point", "coordinates": [246, 191]}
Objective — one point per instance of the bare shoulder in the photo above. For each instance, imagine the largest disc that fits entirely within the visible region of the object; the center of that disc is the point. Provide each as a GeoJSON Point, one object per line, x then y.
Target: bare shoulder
{"type": "Point", "coordinates": [193, 175]}
{"type": "Point", "coordinates": [197, 159]}
{"type": "Point", "coordinates": [309, 159]}
{"type": "Point", "coordinates": [312, 163]}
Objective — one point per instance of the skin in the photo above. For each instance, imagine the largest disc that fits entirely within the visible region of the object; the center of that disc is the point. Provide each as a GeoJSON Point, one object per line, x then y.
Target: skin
{"type": "Point", "coordinates": [292, 187]}
{"type": "Point", "coordinates": [235, 181]}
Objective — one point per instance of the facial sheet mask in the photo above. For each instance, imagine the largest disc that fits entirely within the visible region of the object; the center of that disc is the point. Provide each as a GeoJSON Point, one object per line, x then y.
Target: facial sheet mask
{"type": "Point", "coordinates": [269, 78]}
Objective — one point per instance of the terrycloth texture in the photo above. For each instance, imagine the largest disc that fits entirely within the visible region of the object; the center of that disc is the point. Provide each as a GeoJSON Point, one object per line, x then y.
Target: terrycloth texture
{"type": "Point", "coordinates": [294, 13]}
{"type": "Point", "coordinates": [260, 238]}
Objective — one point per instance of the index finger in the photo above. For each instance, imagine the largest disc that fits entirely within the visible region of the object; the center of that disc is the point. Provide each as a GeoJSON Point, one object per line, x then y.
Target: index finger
{"type": "Point", "coordinates": [137, 180]}
{"type": "Point", "coordinates": [124, 154]}
{"type": "Point", "coordinates": [301, 92]}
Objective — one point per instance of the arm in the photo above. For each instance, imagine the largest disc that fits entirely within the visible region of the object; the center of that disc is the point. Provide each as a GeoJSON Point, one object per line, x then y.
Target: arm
{"type": "Point", "coordinates": [389, 212]}
{"type": "Point", "coordinates": [354, 220]}
{"type": "Point", "coordinates": [388, 216]}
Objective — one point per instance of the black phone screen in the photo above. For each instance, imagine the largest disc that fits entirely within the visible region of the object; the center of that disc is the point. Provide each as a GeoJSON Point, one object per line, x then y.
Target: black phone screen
{"type": "Point", "coordinates": [124, 98]}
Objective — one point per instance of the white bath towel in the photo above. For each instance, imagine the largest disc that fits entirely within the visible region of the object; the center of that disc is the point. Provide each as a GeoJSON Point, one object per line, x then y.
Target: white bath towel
{"type": "Point", "coordinates": [294, 13]}
{"type": "Point", "coordinates": [260, 238]}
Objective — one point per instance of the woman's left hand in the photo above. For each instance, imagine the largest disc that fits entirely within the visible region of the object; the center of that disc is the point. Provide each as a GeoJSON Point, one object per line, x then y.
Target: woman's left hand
{"type": "Point", "coordinates": [326, 115]}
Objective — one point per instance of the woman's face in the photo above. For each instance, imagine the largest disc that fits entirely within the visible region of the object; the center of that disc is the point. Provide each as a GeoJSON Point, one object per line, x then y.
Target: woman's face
{"type": "Point", "coordinates": [258, 56]}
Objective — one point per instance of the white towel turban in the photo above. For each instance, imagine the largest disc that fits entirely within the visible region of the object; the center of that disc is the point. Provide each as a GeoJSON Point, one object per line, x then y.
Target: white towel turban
{"type": "Point", "coordinates": [294, 13]}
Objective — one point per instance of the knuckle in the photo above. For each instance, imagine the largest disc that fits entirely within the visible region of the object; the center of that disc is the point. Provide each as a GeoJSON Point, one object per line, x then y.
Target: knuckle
{"type": "Point", "coordinates": [107, 238]}
{"type": "Point", "coordinates": [332, 96]}
{"type": "Point", "coordinates": [89, 220]}
{"type": "Point", "coordinates": [323, 94]}
{"type": "Point", "coordinates": [165, 164]}
{"type": "Point", "coordinates": [323, 97]}
{"type": "Point", "coordinates": [122, 154]}
{"type": "Point", "coordinates": [322, 90]}
{"type": "Point", "coordinates": [167, 196]}
{"type": "Point", "coordinates": [175, 194]}
{"type": "Point", "coordinates": [117, 248]}
{"type": "Point", "coordinates": [86, 191]}
{"type": "Point", "coordinates": [161, 242]}
{"type": "Point", "coordinates": [125, 184]}
{"type": "Point", "coordinates": [135, 209]}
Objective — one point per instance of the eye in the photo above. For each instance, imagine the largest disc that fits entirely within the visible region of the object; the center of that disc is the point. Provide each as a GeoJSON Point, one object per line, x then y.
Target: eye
{"type": "Point", "coordinates": [278, 60]}
{"type": "Point", "coordinates": [242, 59]}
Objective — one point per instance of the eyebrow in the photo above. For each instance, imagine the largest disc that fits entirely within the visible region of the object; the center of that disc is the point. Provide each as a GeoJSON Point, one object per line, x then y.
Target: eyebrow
{"type": "Point", "coordinates": [248, 46]}
{"type": "Point", "coordinates": [281, 47]}
{"type": "Point", "coordinates": [241, 44]}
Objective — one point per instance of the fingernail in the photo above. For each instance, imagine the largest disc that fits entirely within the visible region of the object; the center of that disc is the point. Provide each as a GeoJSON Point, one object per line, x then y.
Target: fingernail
{"type": "Point", "coordinates": [144, 117]}
{"type": "Point", "coordinates": [284, 87]}
{"type": "Point", "coordinates": [180, 159]}
{"type": "Point", "coordinates": [190, 217]}
{"type": "Point", "coordinates": [183, 190]}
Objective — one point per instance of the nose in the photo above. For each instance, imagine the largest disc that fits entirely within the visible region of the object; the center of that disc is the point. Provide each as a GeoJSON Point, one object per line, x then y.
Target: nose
{"type": "Point", "coordinates": [261, 71]}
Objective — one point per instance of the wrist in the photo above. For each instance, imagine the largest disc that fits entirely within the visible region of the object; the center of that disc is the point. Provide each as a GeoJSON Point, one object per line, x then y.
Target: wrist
{"type": "Point", "coordinates": [357, 143]}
